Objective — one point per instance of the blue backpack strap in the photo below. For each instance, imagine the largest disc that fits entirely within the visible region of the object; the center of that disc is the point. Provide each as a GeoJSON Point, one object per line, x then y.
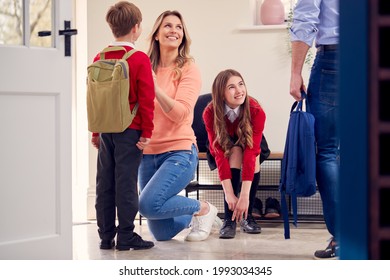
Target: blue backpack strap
{"type": "Point", "coordinates": [294, 208]}
{"type": "Point", "coordinates": [282, 189]}
{"type": "Point", "coordinates": [284, 208]}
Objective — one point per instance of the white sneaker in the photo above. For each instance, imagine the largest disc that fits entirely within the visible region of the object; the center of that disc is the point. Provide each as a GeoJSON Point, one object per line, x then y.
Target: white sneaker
{"type": "Point", "coordinates": [217, 222]}
{"type": "Point", "coordinates": [201, 225]}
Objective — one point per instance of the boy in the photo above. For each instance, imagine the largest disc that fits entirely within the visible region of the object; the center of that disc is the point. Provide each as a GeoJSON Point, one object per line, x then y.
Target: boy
{"type": "Point", "coordinates": [120, 154]}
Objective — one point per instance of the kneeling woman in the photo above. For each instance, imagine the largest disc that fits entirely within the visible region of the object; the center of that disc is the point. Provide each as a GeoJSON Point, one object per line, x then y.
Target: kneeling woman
{"type": "Point", "coordinates": [235, 122]}
{"type": "Point", "coordinates": [169, 161]}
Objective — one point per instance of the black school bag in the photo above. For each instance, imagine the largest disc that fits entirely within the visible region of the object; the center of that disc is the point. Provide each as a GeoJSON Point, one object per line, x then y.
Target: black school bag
{"type": "Point", "coordinates": [298, 173]}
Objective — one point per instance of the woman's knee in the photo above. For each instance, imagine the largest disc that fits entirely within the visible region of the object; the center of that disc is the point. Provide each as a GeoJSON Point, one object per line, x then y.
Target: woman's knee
{"type": "Point", "coordinates": [146, 207]}
{"type": "Point", "coordinates": [160, 230]}
{"type": "Point", "coordinates": [161, 236]}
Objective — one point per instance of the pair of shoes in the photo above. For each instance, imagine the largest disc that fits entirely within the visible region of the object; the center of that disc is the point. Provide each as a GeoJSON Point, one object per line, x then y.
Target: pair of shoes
{"type": "Point", "coordinates": [272, 208]}
{"type": "Point", "coordinates": [135, 242]}
{"type": "Point", "coordinates": [228, 229]}
{"type": "Point", "coordinates": [330, 253]}
{"type": "Point", "coordinates": [107, 244]}
{"type": "Point", "coordinates": [249, 225]}
{"type": "Point", "coordinates": [201, 225]}
{"type": "Point", "coordinates": [257, 211]}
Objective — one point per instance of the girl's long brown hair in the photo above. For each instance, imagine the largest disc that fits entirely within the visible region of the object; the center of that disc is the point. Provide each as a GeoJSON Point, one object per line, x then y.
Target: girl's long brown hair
{"type": "Point", "coordinates": [184, 48]}
{"type": "Point", "coordinates": [244, 130]}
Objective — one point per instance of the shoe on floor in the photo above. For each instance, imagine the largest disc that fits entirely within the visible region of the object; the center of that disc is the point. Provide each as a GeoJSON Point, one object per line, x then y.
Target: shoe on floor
{"type": "Point", "coordinates": [249, 225]}
{"type": "Point", "coordinates": [272, 208]}
{"type": "Point", "coordinates": [135, 242]}
{"type": "Point", "coordinates": [217, 222]}
{"type": "Point", "coordinates": [201, 225]}
{"type": "Point", "coordinates": [330, 252]}
{"type": "Point", "coordinates": [257, 211]}
{"type": "Point", "coordinates": [107, 244]}
{"type": "Point", "coordinates": [228, 229]}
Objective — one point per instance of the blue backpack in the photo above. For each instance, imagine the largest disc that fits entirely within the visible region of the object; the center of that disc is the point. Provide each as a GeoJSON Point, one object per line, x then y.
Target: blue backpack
{"type": "Point", "coordinates": [298, 173]}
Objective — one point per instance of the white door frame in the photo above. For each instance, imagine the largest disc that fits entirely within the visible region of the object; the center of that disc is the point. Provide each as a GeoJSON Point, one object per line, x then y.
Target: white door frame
{"type": "Point", "coordinates": [84, 154]}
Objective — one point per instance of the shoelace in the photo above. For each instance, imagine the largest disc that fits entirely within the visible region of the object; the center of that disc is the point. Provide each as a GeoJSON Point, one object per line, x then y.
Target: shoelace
{"type": "Point", "coordinates": [330, 246]}
{"type": "Point", "coordinates": [195, 223]}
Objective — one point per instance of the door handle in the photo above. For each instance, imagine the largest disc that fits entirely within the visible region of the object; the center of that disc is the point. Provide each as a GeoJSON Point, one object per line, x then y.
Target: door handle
{"type": "Point", "coordinates": [67, 32]}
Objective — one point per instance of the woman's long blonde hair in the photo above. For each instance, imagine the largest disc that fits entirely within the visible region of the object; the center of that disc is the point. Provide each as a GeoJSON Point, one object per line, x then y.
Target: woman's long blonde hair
{"type": "Point", "coordinates": [184, 48]}
{"type": "Point", "coordinates": [244, 130]}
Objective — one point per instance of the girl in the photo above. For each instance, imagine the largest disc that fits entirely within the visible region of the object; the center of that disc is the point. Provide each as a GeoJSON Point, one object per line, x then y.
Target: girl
{"type": "Point", "coordinates": [235, 122]}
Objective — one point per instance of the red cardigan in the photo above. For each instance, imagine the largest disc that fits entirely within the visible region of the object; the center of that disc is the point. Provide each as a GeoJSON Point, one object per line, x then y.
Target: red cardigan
{"type": "Point", "coordinates": [248, 164]}
{"type": "Point", "coordinates": [141, 89]}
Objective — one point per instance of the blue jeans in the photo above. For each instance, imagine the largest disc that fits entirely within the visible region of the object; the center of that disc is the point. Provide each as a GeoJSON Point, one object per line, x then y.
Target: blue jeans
{"type": "Point", "coordinates": [161, 178]}
{"type": "Point", "coordinates": [323, 102]}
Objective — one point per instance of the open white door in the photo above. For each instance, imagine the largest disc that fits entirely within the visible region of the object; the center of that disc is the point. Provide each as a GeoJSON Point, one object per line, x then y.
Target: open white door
{"type": "Point", "coordinates": [35, 134]}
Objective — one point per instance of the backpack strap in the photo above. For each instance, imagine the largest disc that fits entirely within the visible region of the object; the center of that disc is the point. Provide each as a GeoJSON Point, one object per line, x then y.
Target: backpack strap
{"type": "Point", "coordinates": [133, 112]}
{"type": "Point", "coordinates": [111, 49]}
{"type": "Point", "coordinates": [282, 189]}
{"type": "Point", "coordinates": [128, 54]}
{"type": "Point", "coordinates": [286, 221]}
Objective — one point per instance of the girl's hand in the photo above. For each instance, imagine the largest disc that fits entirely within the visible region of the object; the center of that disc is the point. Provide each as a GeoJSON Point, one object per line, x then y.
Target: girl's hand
{"type": "Point", "coordinates": [241, 209]}
{"type": "Point", "coordinates": [231, 200]}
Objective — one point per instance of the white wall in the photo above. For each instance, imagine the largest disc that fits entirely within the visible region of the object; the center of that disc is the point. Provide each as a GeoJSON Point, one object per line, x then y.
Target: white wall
{"type": "Point", "coordinates": [218, 43]}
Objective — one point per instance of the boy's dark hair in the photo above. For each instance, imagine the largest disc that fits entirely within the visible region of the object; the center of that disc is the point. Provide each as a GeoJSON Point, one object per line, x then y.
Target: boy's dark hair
{"type": "Point", "coordinates": [122, 17]}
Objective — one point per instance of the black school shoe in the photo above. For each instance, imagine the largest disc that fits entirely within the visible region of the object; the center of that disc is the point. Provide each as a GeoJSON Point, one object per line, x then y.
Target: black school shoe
{"type": "Point", "coordinates": [257, 210]}
{"type": "Point", "coordinates": [249, 225]}
{"type": "Point", "coordinates": [136, 243]}
{"type": "Point", "coordinates": [107, 244]}
{"type": "Point", "coordinates": [228, 229]}
{"type": "Point", "coordinates": [331, 252]}
{"type": "Point", "coordinates": [272, 208]}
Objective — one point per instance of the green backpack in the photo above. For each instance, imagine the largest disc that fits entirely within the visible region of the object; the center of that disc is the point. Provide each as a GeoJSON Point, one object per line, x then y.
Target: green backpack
{"type": "Point", "coordinates": [108, 85]}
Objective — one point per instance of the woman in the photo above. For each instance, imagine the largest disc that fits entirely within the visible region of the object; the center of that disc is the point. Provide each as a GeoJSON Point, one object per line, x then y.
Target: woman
{"type": "Point", "coordinates": [170, 159]}
{"type": "Point", "coordinates": [235, 122]}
